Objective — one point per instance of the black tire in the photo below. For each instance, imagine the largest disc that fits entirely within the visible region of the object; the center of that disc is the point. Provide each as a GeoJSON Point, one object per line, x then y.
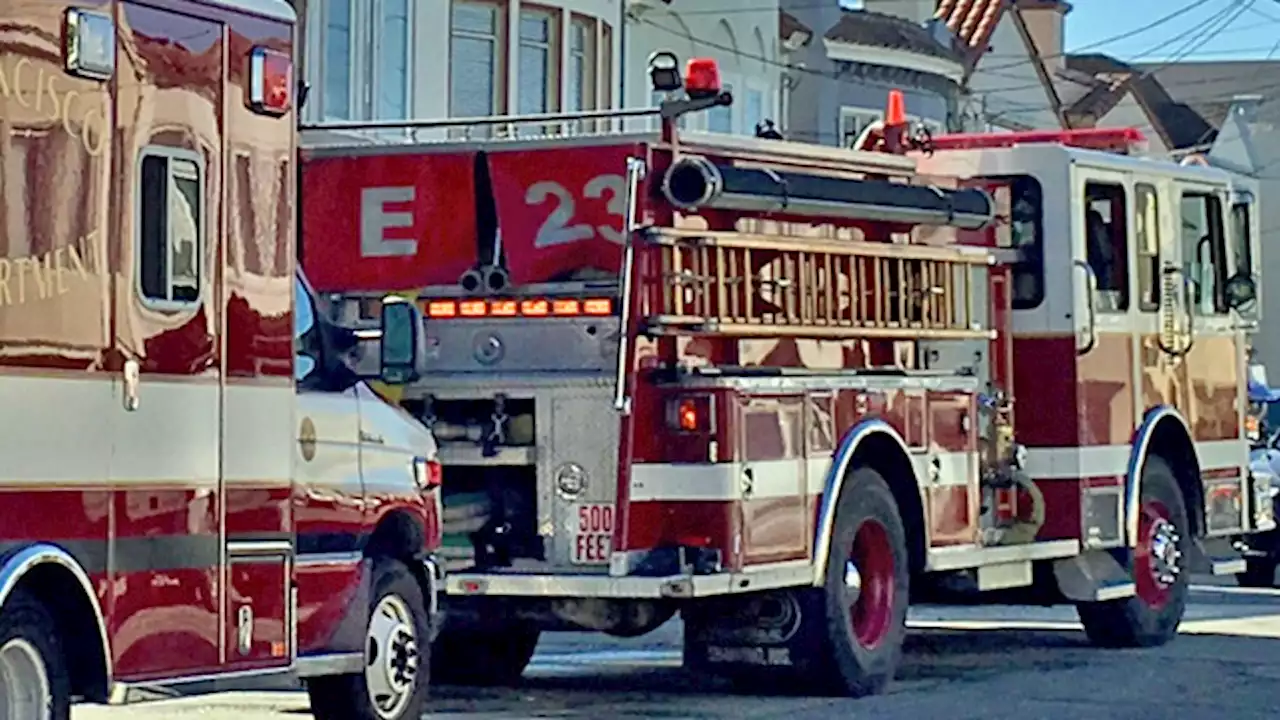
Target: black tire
{"type": "Point", "coordinates": [864, 641]}
{"type": "Point", "coordinates": [24, 622]}
{"type": "Point", "coordinates": [348, 697]}
{"type": "Point", "coordinates": [1151, 617]}
{"type": "Point", "coordinates": [1258, 573]}
{"type": "Point", "coordinates": [486, 658]}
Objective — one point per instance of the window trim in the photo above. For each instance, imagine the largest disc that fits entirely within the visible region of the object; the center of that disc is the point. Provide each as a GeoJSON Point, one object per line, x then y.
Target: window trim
{"type": "Point", "coordinates": [324, 11]}
{"type": "Point", "coordinates": [1211, 199]}
{"type": "Point", "coordinates": [1139, 252]}
{"type": "Point", "coordinates": [169, 154]}
{"type": "Point", "coordinates": [591, 65]}
{"type": "Point", "coordinates": [374, 73]}
{"type": "Point", "coordinates": [1113, 188]}
{"type": "Point", "coordinates": [1036, 263]}
{"type": "Point", "coordinates": [501, 53]}
{"type": "Point", "coordinates": [554, 47]}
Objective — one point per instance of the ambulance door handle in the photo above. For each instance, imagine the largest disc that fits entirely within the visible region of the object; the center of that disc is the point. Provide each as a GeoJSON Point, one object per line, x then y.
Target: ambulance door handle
{"type": "Point", "coordinates": [132, 378]}
{"type": "Point", "coordinates": [1091, 293]}
{"type": "Point", "coordinates": [748, 482]}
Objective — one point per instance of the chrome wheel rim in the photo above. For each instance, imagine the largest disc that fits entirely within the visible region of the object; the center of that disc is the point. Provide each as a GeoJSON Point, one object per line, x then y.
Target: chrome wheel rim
{"type": "Point", "coordinates": [24, 682]}
{"type": "Point", "coordinates": [391, 657]}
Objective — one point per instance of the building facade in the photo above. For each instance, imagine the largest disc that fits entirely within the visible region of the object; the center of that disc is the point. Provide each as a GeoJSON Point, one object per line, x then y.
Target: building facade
{"type": "Point", "coordinates": [742, 36]}
{"type": "Point", "coordinates": [401, 59]}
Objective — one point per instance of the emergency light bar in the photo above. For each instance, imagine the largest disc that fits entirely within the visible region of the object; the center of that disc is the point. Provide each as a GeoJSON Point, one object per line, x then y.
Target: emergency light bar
{"type": "Point", "coordinates": [1121, 140]}
{"type": "Point", "coordinates": [528, 308]}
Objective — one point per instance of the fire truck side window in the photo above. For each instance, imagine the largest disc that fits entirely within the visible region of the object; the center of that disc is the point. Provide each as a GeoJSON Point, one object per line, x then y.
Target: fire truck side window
{"type": "Point", "coordinates": [1241, 236]}
{"type": "Point", "coordinates": [304, 319]}
{"type": "Point", "coordinates": [1147, 233]}
{"type": "Point", "coordinates": [170, 227]}
{"type": "Point", "coordinates": [1026, 229]}
{"type": "Point", "coordinates": [1106, 245]}
{"type": "Point", "coordinates": [1204, 251]}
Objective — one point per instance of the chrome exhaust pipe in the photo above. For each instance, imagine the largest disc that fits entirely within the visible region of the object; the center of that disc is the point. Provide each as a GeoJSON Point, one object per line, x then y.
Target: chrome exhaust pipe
{"type": "Point", "coordinates": [692, 182]}
{"type": "Point", "coordinates": [488, 279]}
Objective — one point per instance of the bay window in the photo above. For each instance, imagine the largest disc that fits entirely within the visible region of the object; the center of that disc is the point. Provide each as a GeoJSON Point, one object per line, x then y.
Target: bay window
{"type": "Point", "coordinates": [475, 59]}
{"type": "Point", "coordinates": [366, 61]}
{"type": "Point", "coordinates": [336, 48]}
{"type": "Point", "coordinates": [539, 86]}
{"type": "Point", "coordinates": [581, 73]}
{"type": "Point", "coordinates": [391, 82]}
{"type": "Point", "coordinates": [720, 118]}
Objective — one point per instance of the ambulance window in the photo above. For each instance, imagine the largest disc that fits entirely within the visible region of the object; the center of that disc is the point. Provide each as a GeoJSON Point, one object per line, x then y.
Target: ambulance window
{"type": "Point", "coordinates": [1204, 251]}
{"type": "Point", "coordinates": [170, 227]}
{"type": "Point", "coordinates": [1147, 234]}
{"type": "Point", "coordinates": [1026, 229]}
{"type": "Point", "coordinates": [1241, 236]}
{"type": "Point", "coordinates": [1106, 244]}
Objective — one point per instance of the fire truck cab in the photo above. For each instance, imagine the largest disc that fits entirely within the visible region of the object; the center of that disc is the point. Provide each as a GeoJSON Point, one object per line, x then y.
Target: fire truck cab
{"type": "Point", "coordinates": [784, 390]}
{"type": "Point", "coordinates": [196, 483]}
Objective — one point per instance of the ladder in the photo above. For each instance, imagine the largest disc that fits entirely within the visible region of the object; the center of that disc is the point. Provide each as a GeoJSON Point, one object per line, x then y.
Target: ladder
{"type": "Point", "coordinates": [701, 282]}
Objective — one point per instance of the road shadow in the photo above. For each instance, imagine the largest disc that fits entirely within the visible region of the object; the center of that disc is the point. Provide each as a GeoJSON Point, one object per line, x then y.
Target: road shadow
{"type": "Point", "coordinates": [1053, 674]}
{"type": "Point", "coordinates": [929, 656]}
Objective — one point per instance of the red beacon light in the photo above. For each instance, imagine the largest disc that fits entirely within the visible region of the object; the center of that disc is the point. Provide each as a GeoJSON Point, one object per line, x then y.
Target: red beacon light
{"type": "Point", "coordinates": [702, 78]}
{"type": "Point", "coordinates": [270, 81]}
{"type": "Point", "coordinates": [1125, 141]}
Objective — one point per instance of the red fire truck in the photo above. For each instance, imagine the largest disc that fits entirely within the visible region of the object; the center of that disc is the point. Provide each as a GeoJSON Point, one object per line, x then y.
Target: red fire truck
{"type": "Point", "coordinates": [195, 483]}
{"type": "Point", "coordinates": [770, 386]}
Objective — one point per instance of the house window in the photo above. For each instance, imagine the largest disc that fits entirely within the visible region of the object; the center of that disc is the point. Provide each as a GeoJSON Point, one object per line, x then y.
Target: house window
{"type": "Point", "coordinates": [605, 80]}
{"type": "Point", "coordinates": [392, 48]}
{"type": "Point", "coordinates": [720, 118]}
{"type": "Point", "coordinates": [853, 121]}
{"type": "Point", "coordinates": [581, 75]}
{"type": "Point", "coordinates": [336, 45]}
{"type": "Point", "coordinates": [752, 111]}
{"type": "Point", "coordinates": [170, 227]}
{"type": "Point", "coordinates": [539, 86]}
{"type": "Point", "coordinates": [475, 54]}
{"type": "Point", "coordinates": [366, 60]}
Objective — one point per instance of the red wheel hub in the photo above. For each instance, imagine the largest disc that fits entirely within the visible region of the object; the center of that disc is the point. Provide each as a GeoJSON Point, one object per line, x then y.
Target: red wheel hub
{"type": "Point", "coordinates": [871, 569]}
{"type": "Point", "coordinates": [1156, 559]}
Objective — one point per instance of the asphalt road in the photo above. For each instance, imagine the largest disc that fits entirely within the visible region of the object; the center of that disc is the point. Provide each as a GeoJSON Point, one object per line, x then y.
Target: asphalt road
{"type": "Point", "coordinates": [979, 663]}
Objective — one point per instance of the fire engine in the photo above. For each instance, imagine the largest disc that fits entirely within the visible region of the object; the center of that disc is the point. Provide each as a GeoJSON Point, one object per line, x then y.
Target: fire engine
{"type": "Point", "coordinates": [771, 386]}
{"type": "Point", "coordinates": [195, 482]}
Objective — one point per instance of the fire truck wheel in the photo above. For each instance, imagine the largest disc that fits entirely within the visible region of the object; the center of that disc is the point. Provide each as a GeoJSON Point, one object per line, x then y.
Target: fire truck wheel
{"type": "Point", "coordinates": [867, 586]}
{"type": "Point", "coordinates": [484, 657]}
{"type": "Point", "coordinates": [33, 673]}
{"type": "Point", "coordinates": [1152, 615]}
{"type": "Point", "coordinates": [397, 656]}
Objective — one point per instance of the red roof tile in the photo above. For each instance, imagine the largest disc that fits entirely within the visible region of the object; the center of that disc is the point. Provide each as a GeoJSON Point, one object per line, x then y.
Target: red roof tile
{"type": "Point", "coordinates": [972, 21]}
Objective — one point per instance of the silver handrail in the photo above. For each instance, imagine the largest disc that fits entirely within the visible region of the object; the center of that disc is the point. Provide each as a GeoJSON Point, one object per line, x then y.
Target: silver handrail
{"type": "Point", "coordinates": [1091, 298]}
{"type": "Point", "coordinates": [636, 170]}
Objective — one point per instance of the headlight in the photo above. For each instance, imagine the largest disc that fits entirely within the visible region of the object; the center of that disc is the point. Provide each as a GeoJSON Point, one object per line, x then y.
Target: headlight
{"type": "Point", "coordinates": [427, 474]}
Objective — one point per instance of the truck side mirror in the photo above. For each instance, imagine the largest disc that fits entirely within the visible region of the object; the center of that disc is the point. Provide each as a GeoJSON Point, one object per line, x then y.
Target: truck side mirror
{"type": "Point", "coordinates": [1241, 290]}
{"type": "Point", "coordinates": [403, 342]}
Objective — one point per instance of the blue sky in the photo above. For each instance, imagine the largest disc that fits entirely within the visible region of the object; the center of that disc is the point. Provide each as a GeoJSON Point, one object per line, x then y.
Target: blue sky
{"type": "Point", "coordinates": [1211, 30]}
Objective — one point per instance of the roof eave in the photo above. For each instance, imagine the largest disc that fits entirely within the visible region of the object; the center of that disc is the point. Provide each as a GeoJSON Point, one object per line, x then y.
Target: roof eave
{"type": "Point", "coordinates": [841, 51]}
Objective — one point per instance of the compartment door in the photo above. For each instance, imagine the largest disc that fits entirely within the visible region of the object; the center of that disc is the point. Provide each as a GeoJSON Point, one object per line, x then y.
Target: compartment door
{"type": "Point", "coordinates": [775, 519]}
